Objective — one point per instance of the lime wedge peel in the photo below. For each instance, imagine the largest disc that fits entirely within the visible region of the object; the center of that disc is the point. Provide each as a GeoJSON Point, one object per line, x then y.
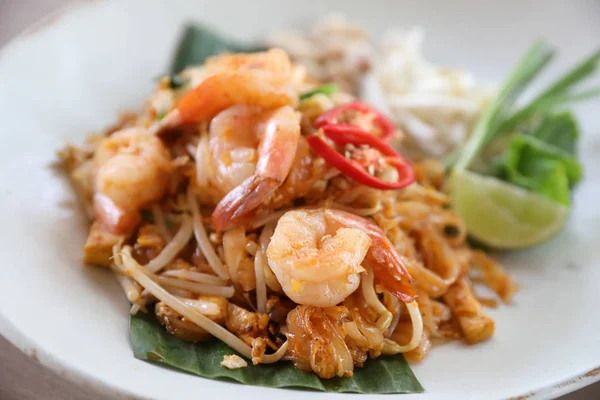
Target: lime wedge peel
{"type": "Point", "coordinates": [504, 216]}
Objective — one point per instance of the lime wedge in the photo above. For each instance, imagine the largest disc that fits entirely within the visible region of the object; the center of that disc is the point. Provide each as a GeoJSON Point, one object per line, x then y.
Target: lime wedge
{"type": "Point", "coordinates": [504, 216]}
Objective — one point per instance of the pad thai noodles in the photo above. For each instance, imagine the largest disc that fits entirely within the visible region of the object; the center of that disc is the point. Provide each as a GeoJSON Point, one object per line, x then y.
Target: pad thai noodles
{"type": "Point", "coordinates": [251, 204]}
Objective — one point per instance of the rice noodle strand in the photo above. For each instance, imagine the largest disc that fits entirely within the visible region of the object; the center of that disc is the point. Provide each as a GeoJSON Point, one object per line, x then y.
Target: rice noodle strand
{"type": "Point", "coordinates": [417, 331]}
{"type": "Point", "coordinates": [368, 291]}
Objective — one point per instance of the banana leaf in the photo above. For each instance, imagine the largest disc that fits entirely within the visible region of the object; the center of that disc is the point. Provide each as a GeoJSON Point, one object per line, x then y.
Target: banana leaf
{"type": "Point", "coordinates": [151, 342]}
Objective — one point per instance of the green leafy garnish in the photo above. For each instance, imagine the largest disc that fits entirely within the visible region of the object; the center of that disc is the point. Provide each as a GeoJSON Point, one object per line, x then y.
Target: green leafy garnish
{"type": "Point", "coordinates": [536, 58]}
{"type": "Point", "coordinates": [198, 43]}
{"type": "Point", "coordinates": [327, 89]}
{"type": "Point", "coordinates": [502, 117]}
{"type": "Point", "coordinates": [150, 341]}
{"type": "Point", "coordinates": [541, 168]}
{"type": "Point", "coordinates": [558, 130]}
{"type": "Point", "coordinates": [531, 147]}
{"type": "Point", "coordinates": [560, 93]}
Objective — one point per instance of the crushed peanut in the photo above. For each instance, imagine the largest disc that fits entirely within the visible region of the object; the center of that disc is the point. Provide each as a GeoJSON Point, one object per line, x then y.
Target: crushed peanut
{"type": "Point", "coordinates": [233, 362]}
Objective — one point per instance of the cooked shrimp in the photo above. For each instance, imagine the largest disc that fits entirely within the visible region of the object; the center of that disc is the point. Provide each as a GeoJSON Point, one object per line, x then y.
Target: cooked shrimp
{"type": "Point", "coordinates": [258, 79]}
{"type": "Point", "coordinates": [252, 152]}
{"type": "Point", "coordinates": [317, 256]}
{"type": "Point", "coordinates": [132, 170]}
{"type": "Point", "coordinates": [303, 179]}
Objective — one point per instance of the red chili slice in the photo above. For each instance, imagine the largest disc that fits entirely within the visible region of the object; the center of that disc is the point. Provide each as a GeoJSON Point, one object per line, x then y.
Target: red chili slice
{"type": "Point", "coordinates": [330, 117]}
{"type": "Point", "coordinates": [354, 169]}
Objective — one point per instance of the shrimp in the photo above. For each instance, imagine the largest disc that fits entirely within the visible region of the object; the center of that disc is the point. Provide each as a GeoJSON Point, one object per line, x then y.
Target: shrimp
{"type": "Point", "coordinates": [131, 171]}
{"type": "Point", "coordinates": [252, 152]}
{"type": "Point", "coordinates": [317, 256]}
{"type": "Point", "coordinates": [258, 79]}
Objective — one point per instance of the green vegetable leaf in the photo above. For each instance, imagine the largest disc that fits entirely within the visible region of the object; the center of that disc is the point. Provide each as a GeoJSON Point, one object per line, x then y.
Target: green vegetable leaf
{"type": "Point", "coordinates": [198, 43]}
{"type": "Point", "coordinates": [386, 374]}
{"type": "Point", "coordinates": [501, 117]}
{"type": "Point", "coordinates": [486, 129]}
{"type": "Point", "coordinates": [579, 72]}
{"type": "Point", "coordinates": [326, 89]}
{"type": "Point", "coordinates": [558, 93]}
{"type": "Point", "coordinates": [559, 130]}
{"type": "Point", "coordinates": [545, 105]}
{"type": "Point", "coordinates": [543, 158]}
{"type": "Point", "coordinates": [541, 167]}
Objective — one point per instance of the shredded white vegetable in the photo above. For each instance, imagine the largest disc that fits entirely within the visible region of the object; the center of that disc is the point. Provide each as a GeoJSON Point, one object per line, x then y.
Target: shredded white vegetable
{"type": "Point", "coordinates": [128, 285]}
{"type": "Point", "coordinates": [202, 159]}
{"type": "Point", "coordinates": [268, 275]}
{"type": "Point", "coordinates": [202, 238]}
{"type": "Point", "coordinates": [205, 307]}
{"type": "Point", "coordinates": [192, 150]}
{"type": "Point", "coordinates": [199, 288]}
{"type": "Point", "coordinates": [173, 248]}
{"type": "Point", "coordinates": [195, 276]}
{"type": "Point", "coordinates": [134, 309]}
{"type": "Point", "coordinates": [261, 286]}
{"type": "Point", "coordinates": [159, 220]}
{"type": "Point", "coordinates": [234, 251]}
{"type": "Point", "coordinates": [436, 106]}
{"type": "Point", "coordinates": [334, 49]}
{"type": "Point", "coordinates": [128, 266]}
{"type": "Point", "coordinates": [434, 102]}
{"type": "Point", "coordinates": [181, 293]}
{"type": "Point", "coordinates": [251, 247]}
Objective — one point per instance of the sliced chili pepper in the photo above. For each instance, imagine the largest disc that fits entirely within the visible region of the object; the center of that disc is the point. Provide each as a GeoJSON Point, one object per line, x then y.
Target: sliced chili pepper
{"type": "Point", "coordinates": [330, 118]}
{"type": "Point", "coordinates": [353, 168]}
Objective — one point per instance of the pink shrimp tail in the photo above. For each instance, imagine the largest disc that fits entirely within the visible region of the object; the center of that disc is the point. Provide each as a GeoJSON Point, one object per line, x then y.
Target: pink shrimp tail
{"type": "Point", "coordinates": [242, 200]}
{"type": "Point", "coordinates": [382, 257]}
{"type": "Point", "coordinates": [112, 218]}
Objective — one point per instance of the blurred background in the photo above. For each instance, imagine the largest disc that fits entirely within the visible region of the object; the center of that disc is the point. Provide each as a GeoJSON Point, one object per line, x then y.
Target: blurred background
{"type": "Point", "coordinates": [20, 377]}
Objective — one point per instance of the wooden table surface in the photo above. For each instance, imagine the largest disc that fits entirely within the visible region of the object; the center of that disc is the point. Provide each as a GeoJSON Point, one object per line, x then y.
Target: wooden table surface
{"type": "Point", "coordinates": [20, 377]}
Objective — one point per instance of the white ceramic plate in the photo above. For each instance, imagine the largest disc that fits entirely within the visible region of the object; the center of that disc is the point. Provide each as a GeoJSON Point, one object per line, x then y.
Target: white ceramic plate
{"type": "Point", "coordinates": [72, 74]}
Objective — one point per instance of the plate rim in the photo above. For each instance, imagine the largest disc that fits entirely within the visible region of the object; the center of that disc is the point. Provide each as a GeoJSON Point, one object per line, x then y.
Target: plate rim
{"type": "Point", "coordinates": [8, 331]}
{"type": "Point", "coordinates": [52, 362]}
{"type": "Point", "coordinates": [71, 373]}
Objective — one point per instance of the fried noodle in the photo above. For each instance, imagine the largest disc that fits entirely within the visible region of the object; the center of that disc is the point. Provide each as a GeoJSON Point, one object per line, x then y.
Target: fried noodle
{"type": "Point", "coordinates": [255, 241]}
